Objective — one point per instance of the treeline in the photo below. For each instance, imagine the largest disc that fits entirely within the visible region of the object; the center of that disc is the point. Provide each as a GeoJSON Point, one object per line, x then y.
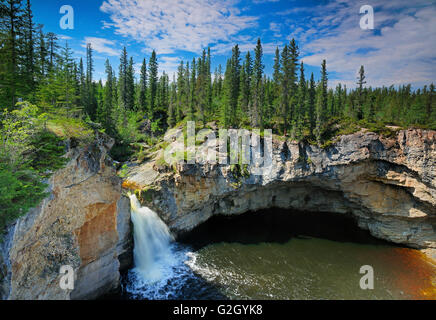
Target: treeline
{"type": "Point", "coordinates": [33, 67]}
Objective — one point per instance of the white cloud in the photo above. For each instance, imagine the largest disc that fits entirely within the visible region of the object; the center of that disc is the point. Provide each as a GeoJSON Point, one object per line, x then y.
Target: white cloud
{"type": "Point", "coordinates": [168, 25]}
{"type": "Point", "coordinates": [264, 1]}
{"type": "Point", "coordinates": [402, 52]}
{"type": "Point", "coordinates": [101, 45]}
{"type": "Point", "coordinates": [64, 37]}
{"type": "Point", "coordinates": [170, 65]}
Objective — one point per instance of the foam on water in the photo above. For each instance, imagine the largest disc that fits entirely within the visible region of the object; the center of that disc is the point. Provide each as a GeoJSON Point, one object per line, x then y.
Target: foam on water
{"type": "Point", "coordinates": [162, 267]}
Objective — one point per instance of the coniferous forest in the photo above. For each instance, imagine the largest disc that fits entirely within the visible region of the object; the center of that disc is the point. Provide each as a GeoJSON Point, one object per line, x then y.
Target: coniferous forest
{"type": "Point", "coordinates": [48, 97]}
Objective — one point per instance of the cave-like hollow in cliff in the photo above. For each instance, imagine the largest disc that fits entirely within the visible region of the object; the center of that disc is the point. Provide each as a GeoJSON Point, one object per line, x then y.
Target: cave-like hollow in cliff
{"type": "Point", "coordinates": [278, 225]}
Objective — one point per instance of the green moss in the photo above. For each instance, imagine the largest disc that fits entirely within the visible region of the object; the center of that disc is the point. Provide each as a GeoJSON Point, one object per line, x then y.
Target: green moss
{"type": "Point", "coordinates": [124, 171]}
{"type": "Point", "coordinates": [327, 144]}
{"type": "Point", "coordinates": [145, 195]}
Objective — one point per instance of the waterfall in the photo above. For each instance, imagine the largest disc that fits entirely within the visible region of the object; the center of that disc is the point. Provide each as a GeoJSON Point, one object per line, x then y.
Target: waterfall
{"type": "Point", "coordinates": [152, 243]}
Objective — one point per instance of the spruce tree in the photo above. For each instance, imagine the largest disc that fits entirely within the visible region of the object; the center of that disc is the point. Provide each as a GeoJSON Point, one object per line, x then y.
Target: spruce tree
{"type": "Point", "coordinates": [285, 88]}
{"type": "Point", "coordinates": [28, 50]}
{"type": "Point", "coordinates": [91, 101]}
{"type": "Point", "coordinates": [430, 109]}
{"type": "Point", "coordinates": [106, 116]}
{"type": "Point", "coordinates": [300, 111]}
{"type": "Point", "coordinates": [321, 104]}
{"type": "Point", "coordinates": [181, 92]}
{"type": "Point", "coordinates": [233, 72]}
{"type": "Point", "coordinates": [310, 106]}
{"type": "Point", "coordinates": [52, 49]}
{"type": "Point", "coordinates": [257, 89]}
{"type": "Point", "coordinates": [153, 81]}
{"type": "Point", "coordinates": [293, 86]}
{"type": "Point", "coordinates": [192, 102]}
{"type": "Point", "coordinates": [142, 101]}
{"type": "Point", "coordinates": [246, 74]}
{"type": "Point", "coordinates": [171, 120]}
{"type": "Point", "coordinates": [361, 82]}
{"type": "Point", "coordinates": [130, 86]}
{"type": "Point", "coordinates": [122, 83]}
{"type": "Point", "coordinates": [10, 30]}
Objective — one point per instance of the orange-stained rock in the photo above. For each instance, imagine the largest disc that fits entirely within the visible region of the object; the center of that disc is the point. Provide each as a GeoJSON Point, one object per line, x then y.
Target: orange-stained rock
{"type": "Point", "coordinates": [99, 232]}
{"type": "Point", "coordinates": [84, 223]}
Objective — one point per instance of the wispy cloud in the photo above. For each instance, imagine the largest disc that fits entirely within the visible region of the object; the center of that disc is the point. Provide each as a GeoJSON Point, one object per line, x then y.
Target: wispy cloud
{"type": "Point", "coordinates": [168, 25]}
{"type": "Point", "coordinates": [64, 37]}
{"type": "Point", "coordinates": [101, 45]}
{"type": "Point", "coordinates": [401, 50]}
{"type": "Point", "coordinates": [264, 1]}
{"type": "Point", "coordinates": [170, 65]}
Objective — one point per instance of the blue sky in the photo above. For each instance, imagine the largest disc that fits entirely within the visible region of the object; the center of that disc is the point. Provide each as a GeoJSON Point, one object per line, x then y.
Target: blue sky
{"type": "Point", "coordinates": [401, 48]}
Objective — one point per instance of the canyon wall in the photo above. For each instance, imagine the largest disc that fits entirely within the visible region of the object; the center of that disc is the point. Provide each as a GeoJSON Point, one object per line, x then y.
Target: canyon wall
{"type": "Point", "coordinates": [84, 223]}
{"type": "Point", "coordinates": [387, 184]}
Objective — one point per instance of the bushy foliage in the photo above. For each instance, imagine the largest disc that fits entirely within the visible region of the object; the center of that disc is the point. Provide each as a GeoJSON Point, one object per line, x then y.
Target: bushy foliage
{"type": "Point", "coordinates": [20, 190]}
{"type": "Point", "coordinates": [29, 152]}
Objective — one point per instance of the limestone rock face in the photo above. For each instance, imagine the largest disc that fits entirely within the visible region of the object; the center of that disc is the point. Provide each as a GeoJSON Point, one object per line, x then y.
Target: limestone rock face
{"type": "Point", "coordinates": [387, 184]}
{"type": "Point", "coordinates": [84, 223]}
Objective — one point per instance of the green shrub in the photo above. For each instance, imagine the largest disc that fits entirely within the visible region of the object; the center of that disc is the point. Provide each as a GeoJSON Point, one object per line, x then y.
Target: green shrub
{"type": "Point", "coordinates": [20, 190]}
{"type": "Point", "coordinates": [48, 153]}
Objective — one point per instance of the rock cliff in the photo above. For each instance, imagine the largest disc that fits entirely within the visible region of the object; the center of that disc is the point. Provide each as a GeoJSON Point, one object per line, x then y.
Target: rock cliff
{"type": "Point", "coordinates": [84, 223]}
{"type": "Point", "coordinates": [387, 184]}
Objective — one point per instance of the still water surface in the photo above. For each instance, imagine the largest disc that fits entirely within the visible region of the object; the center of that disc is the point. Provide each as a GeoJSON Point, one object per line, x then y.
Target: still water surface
{"type": "Point", "coordinates": [277, 254]}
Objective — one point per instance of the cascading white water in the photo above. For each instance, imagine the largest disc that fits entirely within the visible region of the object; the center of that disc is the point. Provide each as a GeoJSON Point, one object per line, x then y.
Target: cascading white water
{"type": "Point", "coordinates": [161, 269]}
{"type": "Point", "coordinates": [152, 240]}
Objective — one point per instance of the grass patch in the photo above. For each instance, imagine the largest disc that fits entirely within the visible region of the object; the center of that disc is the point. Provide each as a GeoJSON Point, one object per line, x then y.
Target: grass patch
{"type": "Point", "coordinates": [67, 128]}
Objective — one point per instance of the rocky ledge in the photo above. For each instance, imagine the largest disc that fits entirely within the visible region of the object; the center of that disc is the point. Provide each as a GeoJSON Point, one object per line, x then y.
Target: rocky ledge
{"type": "Point", "coordinates": [387, 184]}
{"type": "Point", "coordinates": [84, 223]}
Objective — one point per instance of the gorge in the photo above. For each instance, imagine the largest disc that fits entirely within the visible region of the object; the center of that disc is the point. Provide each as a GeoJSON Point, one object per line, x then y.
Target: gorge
{"type": "Point", "coordinates": [386, 185]}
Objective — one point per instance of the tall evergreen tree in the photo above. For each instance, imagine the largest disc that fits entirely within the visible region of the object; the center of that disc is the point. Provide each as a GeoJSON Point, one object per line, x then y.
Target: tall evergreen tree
{"type": "Point", "coordinates": [232, 80]}
{"type": "Point", "coordinates": [171, 120]}
{"type": "Point", "coordinates": [191, 112]}
{"type": "Point", "coordinates": [285, 87]}
{"type": "Point", "coordinates": [361, 82]}
{"type": "Point", "coordinates": [310, 106]}
{"type": "Point", "coordinates": [123, 80]}
{"type": "Point", "coordinates": [300, 111]}
{"type": "Point", "coordinates": [153, 80]}
{"type": "Point", "coordinates": [246, 74]}
{"type": "Point", "coordinates": [130, 86]}
{"type": "Point", "coordinates": [181, 92]}
{"type": "Point", "coordinates": [10, 29]}
{"type": "Point", "coordinates": [142, 101]}
{"type": "Point", "coordinates": [293, 55]}
{"type": "Point", "coordinates": [28, 50]}
{"type": "Point", "coordinates": [321, 103]}
{"type": "Point", "coordinates": [91, 101]}
{"type": "Point", "coordinates": [52, 49]}
{"type": "Point", "coordinates": [257, 89]}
